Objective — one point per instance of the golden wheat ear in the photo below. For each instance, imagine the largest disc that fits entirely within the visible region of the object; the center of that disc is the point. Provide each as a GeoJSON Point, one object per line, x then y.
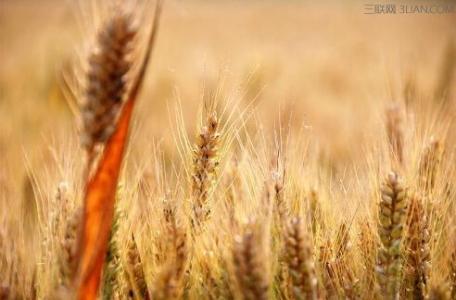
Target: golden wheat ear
{"type": "Point", "coordinates": [249, 264]}
{"type": "Point", "coordinates": [205, 162]}
{"type": "Point", "coordinates": [170, 280]}
{"type": "Point", "coordinates": [418, 255]}
{"type": "Point", "coordinates": [135, 270]}
{"type": "Point", "coordinates": [299, 260]}
{"type": "Point", "coordinates": [100, 189]}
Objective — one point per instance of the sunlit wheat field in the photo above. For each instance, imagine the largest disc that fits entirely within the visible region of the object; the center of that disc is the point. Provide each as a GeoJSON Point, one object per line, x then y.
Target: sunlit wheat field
{"type": "Point", "coordinates": [275, 150]}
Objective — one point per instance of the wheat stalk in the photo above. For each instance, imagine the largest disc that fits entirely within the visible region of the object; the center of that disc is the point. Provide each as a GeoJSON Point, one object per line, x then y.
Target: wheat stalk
{"type": "Point", "coordinates": [113, 270]}
{"type": "Point", "coordinates": [367, 247]}
{"type": "Point", "coordinates": [315, 211]}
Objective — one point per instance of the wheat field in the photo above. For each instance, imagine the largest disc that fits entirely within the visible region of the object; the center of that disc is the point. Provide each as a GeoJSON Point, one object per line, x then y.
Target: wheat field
{"type": "Point", "coordinates": [276, 150]}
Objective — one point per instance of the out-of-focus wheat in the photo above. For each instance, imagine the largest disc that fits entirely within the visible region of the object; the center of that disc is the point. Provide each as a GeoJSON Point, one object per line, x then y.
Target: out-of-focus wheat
{"type": "Point", "coordinates": [169, 283]}
{"type": "Point", "coordinates": [205, 161]}
{"type": "Point", "coordinates": [300, 261]}
{"type": "Point", "coordinates": [418, 260]}
{"type": "Point", "coordinates": [106, 83]}
{"type": "Point", "coordinates": [177, 231]}
{"type": "Point", "coordinates": [249, 263]}
{"type": "Point", "coordinates": [394, 129]}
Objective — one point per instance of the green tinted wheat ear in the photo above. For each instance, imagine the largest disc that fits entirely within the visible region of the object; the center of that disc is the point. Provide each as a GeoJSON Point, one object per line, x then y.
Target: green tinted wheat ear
{"type": "Point", "coordinates": [418, 257]}
{"type": "Point", "coordinates": [205, 162]}
{"type": "Point", "coordinates": [249, 265]}
{"type": "Point", "coordinates": [390, 228]}
{"type": "Point", "coordinates": [106, 83]}
{"type": "Point", "coordinates": [300, 262]}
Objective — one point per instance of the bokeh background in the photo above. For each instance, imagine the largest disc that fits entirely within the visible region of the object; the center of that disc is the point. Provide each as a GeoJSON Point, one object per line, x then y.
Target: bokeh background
{"type": "Point", "coordinates": [326, 67]}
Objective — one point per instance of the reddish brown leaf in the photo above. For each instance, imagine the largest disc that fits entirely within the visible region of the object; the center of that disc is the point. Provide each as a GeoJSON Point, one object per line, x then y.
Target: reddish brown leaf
{"type": "Point", "coordinates": [100, 193]}
{"type": "Point", "coordinates": [99, 209]}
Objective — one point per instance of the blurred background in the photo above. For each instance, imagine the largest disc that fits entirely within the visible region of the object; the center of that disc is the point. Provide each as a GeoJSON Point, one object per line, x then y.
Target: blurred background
{"type": "Point", "coordinates": [328, 67]}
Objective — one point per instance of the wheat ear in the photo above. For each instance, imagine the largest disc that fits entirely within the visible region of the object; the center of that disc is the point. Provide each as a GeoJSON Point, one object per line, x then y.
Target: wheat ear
{"type": "Point", "coordinates": [205, 162]}
{"type": "Point", "coordinates": [68, 262]}
{"type": "Point", "coordinates": [136, 271]}
{"type": "Point", "coordinates": [418, 257]}
{"type": "Point", "coordinates": [390, 228]}
{"type": "Point", "coordinates": [429, 164]}
{"type": "Point", "coordinates": [169, 284]}
{"type": "Point", "coordinates": [249, 265]}
{"type": "Point", "coordinates": [106, 83]}
{"type": "Point", "coordinates": [300, 262]}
